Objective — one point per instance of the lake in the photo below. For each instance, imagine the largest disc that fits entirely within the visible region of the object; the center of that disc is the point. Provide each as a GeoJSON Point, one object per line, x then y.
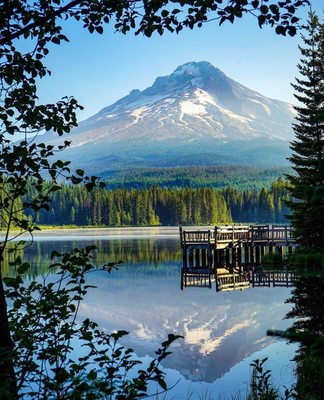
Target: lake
{"type": "Point", "coordinates": [223, 331]}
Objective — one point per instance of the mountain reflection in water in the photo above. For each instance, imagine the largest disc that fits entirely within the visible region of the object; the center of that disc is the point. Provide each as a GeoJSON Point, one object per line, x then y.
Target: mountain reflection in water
{"type": "Point", "coordinates": [223, 331]}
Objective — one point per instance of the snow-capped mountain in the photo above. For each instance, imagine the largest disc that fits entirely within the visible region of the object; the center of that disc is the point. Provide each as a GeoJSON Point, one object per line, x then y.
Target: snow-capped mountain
{"type": "Point", "coordinates": [195, 111]}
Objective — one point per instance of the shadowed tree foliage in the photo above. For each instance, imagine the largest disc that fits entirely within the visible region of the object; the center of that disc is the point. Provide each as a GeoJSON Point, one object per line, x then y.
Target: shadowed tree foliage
{"type": "Point", "coordinates": [307, 185]}
{"type": "Point", "coordinates": [307, 206]}
{"type": "Point", "coordinates": [24, 19]}
{"type": "Point", "coordinates": [307, 298]}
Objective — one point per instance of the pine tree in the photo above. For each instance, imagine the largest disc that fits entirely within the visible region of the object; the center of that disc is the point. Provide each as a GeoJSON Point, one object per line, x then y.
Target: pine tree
{"type": "Point", "coordinates": [307, 183]}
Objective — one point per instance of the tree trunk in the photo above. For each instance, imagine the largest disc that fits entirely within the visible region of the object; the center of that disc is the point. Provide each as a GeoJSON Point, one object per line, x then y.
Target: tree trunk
{"type": "Point", "coordinates": [8, 384]}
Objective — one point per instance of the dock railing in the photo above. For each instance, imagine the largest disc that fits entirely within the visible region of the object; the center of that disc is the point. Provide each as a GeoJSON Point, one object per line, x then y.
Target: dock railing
{"type": "Point", "coordinates": [273, 278]}
{"type": "Point", "coordinates": [231, 234]}
{"type": "Point", "coordinates": [191, 237]}
{"type": "Point", "coordinates": [272, 233]}
{"type": "Point", "coordinates": [226, 235]}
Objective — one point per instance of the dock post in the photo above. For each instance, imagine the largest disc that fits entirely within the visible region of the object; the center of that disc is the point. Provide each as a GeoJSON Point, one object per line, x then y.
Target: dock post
{"type": "Point", "coordinates": [197, 258]}
{"type": "Point", "coordinates": [252, 254]}
{"type": "Point", "coordinates": [181, 284]}
{"type": "Point", "coordinates": [239, 257]}
{"type": "Point", "coordinates": [271, 248]}
{"type": "Point", "coordinates": [280, 250]}
{"type": "Point", "coordinates": [227, 257]}
{"type": "Point", "coordinates": [190, 257]}
{"type": "Point", "coordinates": [205, 258]}
{"type": "Point", "coordinates": [290, 250]}
{"type": "Point", "coordinates": [184, 257]}
{"type": "Point", "coordinates": [234, 257]}
{"type": "Point", "coordinates": [222, 257]}
{"type": "Point", "coordinates": [246, 255]}
{"type": "Point", "coordinates": [257, 255]}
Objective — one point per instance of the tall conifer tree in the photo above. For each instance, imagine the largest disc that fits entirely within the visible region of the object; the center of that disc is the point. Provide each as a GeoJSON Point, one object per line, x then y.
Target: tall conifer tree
{"type": "Point", "coordinates": [307, 183]}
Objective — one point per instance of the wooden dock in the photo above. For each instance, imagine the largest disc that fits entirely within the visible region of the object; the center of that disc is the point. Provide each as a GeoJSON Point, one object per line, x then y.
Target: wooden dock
{"type": "Point", "coordinates": [235, 248]}
{"type": "Point", "coordinates": [234, 235]}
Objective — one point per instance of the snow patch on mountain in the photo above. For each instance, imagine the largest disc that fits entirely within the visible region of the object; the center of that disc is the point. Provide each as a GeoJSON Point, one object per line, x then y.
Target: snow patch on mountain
{"type": "Point", "coordinates": [191, 108]}
{"type": "Point", "coordinates": [196, 107]}
{"type": "Point", "coordinates": [138, 113]}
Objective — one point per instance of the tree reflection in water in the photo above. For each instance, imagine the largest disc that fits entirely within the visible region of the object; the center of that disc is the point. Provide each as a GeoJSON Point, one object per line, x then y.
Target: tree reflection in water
{"type": "Point", "coordinates": [307, 298]}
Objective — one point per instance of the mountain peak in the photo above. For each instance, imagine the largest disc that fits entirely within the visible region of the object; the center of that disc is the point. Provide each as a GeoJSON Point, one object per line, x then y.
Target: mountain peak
{"type": "Point", "coordinates": [190, 75]}
{"type": "Point", "coordinates": [196, 109]}
{"type": "Point", "coordinates": [197, 69]}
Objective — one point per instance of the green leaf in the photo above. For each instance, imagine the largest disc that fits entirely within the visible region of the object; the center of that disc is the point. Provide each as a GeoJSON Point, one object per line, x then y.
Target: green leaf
{"type": "Point", "coordinates": [99, 29]}
{"type": "Point", "coordinates": [55, 254]}
{"type": "Point", "coordinates": [92, 375]}
{"type": "Point", "coordinates": [23, 268]}
{"type": "Point", "coordinates": [9, 281]}
{"type": "Point", "coordinates": [164, 13]}
{"type": "Point", "coordinates": [162, 383]}
{"type": "Point", "coordinates": [80, 172]}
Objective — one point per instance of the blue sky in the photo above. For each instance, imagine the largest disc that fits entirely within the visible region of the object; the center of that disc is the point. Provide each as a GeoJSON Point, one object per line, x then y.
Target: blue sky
{"type": "Point", "coordinates": [100, 69]}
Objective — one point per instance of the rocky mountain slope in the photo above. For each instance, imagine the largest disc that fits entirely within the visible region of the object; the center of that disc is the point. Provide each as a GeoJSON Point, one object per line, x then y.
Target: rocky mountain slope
{"type": "Point", "coordinates": [195, 116]}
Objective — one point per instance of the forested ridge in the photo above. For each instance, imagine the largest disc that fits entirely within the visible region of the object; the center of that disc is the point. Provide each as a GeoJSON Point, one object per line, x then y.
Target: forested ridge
{"type": "Point", "coordinates": [74, 205]}
{"type": "Point", "coordinates": [215, 176]}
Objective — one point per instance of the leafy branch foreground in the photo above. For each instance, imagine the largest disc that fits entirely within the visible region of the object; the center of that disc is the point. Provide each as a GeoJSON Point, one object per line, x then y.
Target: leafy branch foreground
{"type": "Point", "coordinates": [261, 385]}
{"type": "Point", "coordinates": [45, 331]}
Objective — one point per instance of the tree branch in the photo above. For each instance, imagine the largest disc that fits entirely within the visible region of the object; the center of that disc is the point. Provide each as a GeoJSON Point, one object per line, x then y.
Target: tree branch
{"type": "Point", "coordinates": [42, 20]}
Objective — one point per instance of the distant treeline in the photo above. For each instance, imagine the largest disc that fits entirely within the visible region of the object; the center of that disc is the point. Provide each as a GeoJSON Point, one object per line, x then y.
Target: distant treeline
{"type": "Point", "coordinates": [258, 206]}
{"type": "Point", "coordinates": [165, 206]}
{"type": "Point", "coordinates": [217, 177]}
{"type": "Point", "coordinates": [121, 207]}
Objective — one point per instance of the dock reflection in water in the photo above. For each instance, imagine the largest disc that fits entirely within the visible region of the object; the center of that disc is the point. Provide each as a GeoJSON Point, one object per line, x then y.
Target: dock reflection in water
{"type": "Point", "coordinates": [236, 279]}
{"type": "Point", "coordinates": [223, 332]}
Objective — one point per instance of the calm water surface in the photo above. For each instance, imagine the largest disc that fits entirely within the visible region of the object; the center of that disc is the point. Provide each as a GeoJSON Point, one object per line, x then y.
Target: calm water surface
{"type": "Point", "coordinates": [223, 331]}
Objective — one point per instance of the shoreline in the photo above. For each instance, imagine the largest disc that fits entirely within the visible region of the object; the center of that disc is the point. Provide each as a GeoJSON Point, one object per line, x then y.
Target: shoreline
{"type": "Point", "coordinates": [96, 233]}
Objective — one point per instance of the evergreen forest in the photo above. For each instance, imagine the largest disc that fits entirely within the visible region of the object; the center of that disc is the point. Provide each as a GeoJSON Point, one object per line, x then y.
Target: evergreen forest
{"type": "Point", "coordinates": [215, 176]}
{"type": "Point", "coordinates": [74, 205]}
